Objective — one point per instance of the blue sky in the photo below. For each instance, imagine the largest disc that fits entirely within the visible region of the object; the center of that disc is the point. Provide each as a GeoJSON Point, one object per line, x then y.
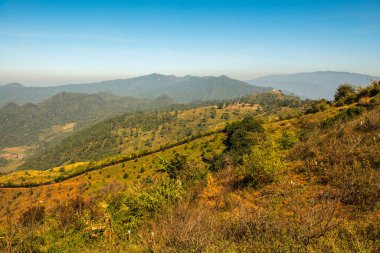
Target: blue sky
{"type": "Point", "coordinates": [53, 42]}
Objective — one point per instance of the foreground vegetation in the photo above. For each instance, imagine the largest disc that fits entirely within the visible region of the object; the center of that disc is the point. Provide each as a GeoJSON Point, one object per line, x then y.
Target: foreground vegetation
{"type": "Point", "coordinates": [286, 183]}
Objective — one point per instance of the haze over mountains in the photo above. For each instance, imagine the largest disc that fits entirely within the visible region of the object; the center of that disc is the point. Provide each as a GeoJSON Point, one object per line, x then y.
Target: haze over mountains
{"type": "Point", "coordinates": [313, 85]}
{"type": "Point", "coordinates": [181, 89]}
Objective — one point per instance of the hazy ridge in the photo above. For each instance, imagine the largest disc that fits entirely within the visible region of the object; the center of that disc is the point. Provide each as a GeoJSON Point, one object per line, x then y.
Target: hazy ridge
{"type": "Point", "coordinates": [313, 85]}
{"type": "Point", "coordinates": [180, 89]}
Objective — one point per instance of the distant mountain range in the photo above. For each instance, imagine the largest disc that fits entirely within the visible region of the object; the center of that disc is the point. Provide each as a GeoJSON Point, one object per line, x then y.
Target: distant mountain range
{"type": "Point", "coordinates": [181, 89]}
{"type": "Point", "coordinates": [313, 85]}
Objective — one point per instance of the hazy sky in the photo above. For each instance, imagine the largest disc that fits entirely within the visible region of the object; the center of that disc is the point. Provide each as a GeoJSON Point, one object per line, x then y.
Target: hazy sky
{"type": "Point", "coordinates": [51, 42]}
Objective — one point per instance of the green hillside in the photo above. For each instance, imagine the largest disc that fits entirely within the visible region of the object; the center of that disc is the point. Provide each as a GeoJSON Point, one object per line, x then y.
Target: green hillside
{"type": "Point", "coordinates": [40, 123]}
{"type": "Point", "coordinates": [127, 134]}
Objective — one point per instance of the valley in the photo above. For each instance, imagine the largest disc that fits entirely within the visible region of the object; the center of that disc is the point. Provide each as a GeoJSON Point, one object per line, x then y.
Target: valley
{"type": "Point", "coordinates": [252, 162]}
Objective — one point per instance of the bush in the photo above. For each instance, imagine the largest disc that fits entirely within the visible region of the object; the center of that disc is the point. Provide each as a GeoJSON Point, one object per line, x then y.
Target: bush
{"type": "Point", "coordinates": [375, 101]}
{"type": "Point", "coordinates": [345, 94]}
{"type": "Point", "coordinates": [260, 165]}
{"type": "Point", "coordinates": [369, 91]}
{"type": "Point", "coordinates": [34, 215]}
{"type": "Point", "coordinates": [69, 215]}
{"type": "Point", "coordinates": [129, 209]}
{"type": "Point", "coordinates": [289, 138]}
{"type": "Point", "coordinates": [238, 139]}
{"type": "Point", "coordinates": [218, 162]}
{"type": "Point", "coordinates": [318, 106]}
{"type": "Point", "coordinates": [343, 116]}
{"type": "Point", "coordinates": [175, 167]}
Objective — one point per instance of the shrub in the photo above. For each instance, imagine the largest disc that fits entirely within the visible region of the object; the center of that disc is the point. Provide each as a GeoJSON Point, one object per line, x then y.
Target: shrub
{"type": "Point", "coordinates": [218, 162]}
{"type": "Point", "coordinates": [147, 180]}
{"type": "Point", "coordinates": [34, 215]}
{"type": "Point", "coordinates": [175, 167]}
{"type": "Point", "coordinates": [318, 106]}
{"type": "Point", "coordinates": [238, 139]}
{"type": "Point", "coordinates": [375, 101]}
{"type": "Point", "coordinates": [345, 94]}
{"type": "Point", "coordinates": [69, 214]}
{"type": "Point", "coordinates": [129, 209]}
{"type": "Point", "coordinates": [185, 229]}
{"type": "Point", "coordinates": [364, 101]}
{"type": "Point", "coordinates": [354, 111]}
{"type": "Point", "coordinates": [343, 116]}
{"type": "Point", "coordinates": [289, 138]}
{"type": "Point", "coordinates": [260, 165]}
{"type": "Point", "coordinates": [369, 91]}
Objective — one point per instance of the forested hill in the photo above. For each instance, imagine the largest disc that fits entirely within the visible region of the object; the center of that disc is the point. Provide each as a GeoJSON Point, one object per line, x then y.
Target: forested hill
{"type": "Point", "coordinates": [211, 88]}
{"type": "Point", "coordinates": [181, 89]}
{"type": "Point", "coordinates": [39, 123]}
{"type": "Point", "coordinates": [135, 132]}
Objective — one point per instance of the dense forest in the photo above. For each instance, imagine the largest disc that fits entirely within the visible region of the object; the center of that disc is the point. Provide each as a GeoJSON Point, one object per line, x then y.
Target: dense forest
{"type": "Point", "coordinates": [40, 123]}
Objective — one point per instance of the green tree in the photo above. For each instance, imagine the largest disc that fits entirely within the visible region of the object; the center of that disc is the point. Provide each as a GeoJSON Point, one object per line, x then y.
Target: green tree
{"type": "Point", "coordinates": [238, 139]}
{"type": "Point", "coordinates": [318, 106]}
{"type": "Point", "coordinates": [345, 94]}
{"type": "Point", "coordinates": [260, 165]}
{"type": "Point", "coordinates": [175, 166]}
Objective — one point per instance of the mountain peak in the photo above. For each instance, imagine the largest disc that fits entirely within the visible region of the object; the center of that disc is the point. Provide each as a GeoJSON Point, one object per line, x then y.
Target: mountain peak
{"type": "Point", "coordinates": [216, 77]}
{"type": "Point", "coordinates": [14, 85]}
{"type": "Point", "coordinates": [11, 105]}
{"type": "Point", "coordinates": [156, 75]}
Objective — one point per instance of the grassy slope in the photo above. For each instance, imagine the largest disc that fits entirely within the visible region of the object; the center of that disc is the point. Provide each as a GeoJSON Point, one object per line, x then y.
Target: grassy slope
{"type": "Point", "coordinates": [314, 203]}
{"type": "Point", "coordinates": [128, 134]}
{"type": "Point", "coordinates": [190, 118]}
{"type": "Point", "coordinates": [275, 128]}
{"type": "Point", "coordinates": [312, 213]}
{"type": "Point", "coordinates": [91, 183]}
{"type": "Point", "coordinates": [295, 201]}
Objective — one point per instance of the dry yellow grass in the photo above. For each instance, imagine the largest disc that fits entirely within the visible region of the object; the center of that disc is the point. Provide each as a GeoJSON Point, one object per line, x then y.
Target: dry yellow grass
{"type": "Point", "coordinates": [16, 150]}
{"type": "Point", "coordinates": [95, 182]}
{"type": "Point", "coordinates": [49, 134]}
